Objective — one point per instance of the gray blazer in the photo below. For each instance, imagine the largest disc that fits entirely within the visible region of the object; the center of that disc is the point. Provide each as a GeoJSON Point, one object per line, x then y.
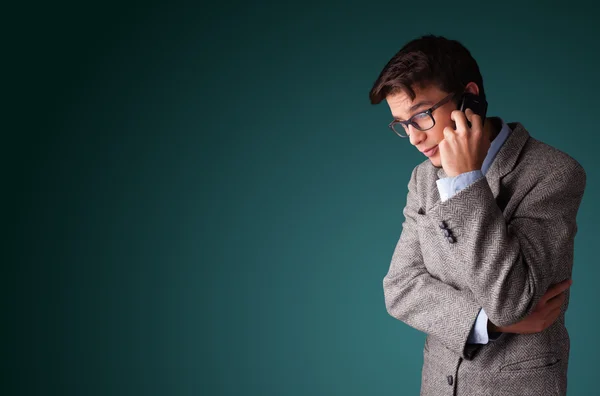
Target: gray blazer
{"type": "Point", "coordinates": [499, 244]}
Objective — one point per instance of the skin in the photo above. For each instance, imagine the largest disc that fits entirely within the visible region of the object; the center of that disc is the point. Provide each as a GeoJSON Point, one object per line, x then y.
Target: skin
{"type": "Point", "coordinates": [462, 149]}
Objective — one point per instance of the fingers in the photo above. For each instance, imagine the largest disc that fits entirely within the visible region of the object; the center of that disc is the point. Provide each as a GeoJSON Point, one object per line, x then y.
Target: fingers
{"type": "Point", "coordinates": [475, 120]}
{"type": "Point", "coordinates": [552, 316]}
{"type": "Point", "coordinates": [556, 301]}
{"type": "Point", "coordinates": [449, 134]}
{"type": "Point", "coordinates": [556, 289]}
{"type": "Point", "coordinates": [461, 121]}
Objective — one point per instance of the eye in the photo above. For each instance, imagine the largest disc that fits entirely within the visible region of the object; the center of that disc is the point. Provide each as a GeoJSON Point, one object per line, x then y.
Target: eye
{"type": "Point", "coordinates": [420, 116]}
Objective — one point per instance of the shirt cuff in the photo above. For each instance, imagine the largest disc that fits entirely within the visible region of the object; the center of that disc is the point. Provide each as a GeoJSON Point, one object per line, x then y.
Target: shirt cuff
{"type": "Point", "coordinates": [449, 186]}
{"type": "Point", "coordinates": [479, 333]}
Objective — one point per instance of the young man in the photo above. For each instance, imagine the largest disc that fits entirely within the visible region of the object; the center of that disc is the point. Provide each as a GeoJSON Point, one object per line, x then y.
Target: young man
{"type": "Point", "coordinates": [483, 263]}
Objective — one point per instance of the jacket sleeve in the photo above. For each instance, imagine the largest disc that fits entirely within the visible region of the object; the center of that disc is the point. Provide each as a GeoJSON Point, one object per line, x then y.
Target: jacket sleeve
{"type": "Point", "coordinates": [448, 187]}
{"type": "Point", "coordinates": [509, 265]}
{"type": "Point", "coordinates": [421, 301]}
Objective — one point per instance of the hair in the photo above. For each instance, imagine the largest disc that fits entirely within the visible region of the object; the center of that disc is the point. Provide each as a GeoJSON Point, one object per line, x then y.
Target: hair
{"type": "Point", "coordinates": [427, 60]}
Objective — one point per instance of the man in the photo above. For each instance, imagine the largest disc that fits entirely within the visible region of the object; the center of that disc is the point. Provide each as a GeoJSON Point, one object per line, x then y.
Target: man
{"type": "Point", "coordinates": [484, 260]}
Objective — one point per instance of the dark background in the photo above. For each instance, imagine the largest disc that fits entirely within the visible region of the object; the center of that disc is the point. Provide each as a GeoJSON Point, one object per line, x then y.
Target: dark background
{"type": "Point", "coordinates": [200, 200]}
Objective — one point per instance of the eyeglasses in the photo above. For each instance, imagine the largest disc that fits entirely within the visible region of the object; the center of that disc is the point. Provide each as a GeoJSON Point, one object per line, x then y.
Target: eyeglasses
{"type": "Point", "coordinates": [421, 121]}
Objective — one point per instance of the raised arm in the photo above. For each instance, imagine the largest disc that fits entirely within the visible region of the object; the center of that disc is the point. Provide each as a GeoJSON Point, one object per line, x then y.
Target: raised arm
{"type": "Point", "coordinates": [418, 299]}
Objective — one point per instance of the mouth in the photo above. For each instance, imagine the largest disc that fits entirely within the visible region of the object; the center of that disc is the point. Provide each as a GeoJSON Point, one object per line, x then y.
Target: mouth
{"type": "Point", "coordinates": [431, 151]}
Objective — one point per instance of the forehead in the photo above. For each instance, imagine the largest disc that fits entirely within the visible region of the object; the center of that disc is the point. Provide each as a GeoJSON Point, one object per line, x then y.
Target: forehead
{"type": "Point", "coordinates": [402, 106]}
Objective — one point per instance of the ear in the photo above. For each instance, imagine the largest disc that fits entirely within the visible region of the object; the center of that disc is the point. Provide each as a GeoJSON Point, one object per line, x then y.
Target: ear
{"type": "Point", "coordinates": [472, 88]}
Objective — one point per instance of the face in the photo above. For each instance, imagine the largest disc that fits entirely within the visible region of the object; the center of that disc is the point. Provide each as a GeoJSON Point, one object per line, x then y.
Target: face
{"type": "Point", "coordinates": [402, 108]}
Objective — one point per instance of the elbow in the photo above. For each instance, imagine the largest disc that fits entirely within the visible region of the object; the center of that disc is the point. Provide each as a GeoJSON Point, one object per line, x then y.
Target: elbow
{"type": "Point", "coordinates": [388, 307]}
{"type": "Point", "coordinates": [388, 296]}
{"type": "Point", "coordinates": [393, 295]}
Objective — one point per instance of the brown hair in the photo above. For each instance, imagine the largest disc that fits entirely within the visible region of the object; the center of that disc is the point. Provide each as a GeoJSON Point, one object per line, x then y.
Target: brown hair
{"type": "Point", "coordinates": [427, 60]}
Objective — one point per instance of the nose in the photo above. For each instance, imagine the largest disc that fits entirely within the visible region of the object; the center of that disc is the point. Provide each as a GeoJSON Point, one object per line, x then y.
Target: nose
{"type": "Point", "coordinates": [416, 136]}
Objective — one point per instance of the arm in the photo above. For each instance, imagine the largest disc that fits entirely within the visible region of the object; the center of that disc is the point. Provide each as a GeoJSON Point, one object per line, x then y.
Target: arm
{"type": "Point", "coordinates": [423, 302]}
{"type": "Point", "coordinates": [509, 266]}
{"type": "Point", "coordinates": [447, 188]}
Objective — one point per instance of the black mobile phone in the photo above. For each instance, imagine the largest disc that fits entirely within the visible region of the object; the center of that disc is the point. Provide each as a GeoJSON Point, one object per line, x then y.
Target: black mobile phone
{"type": "Point", "coordinates": [475, 103]}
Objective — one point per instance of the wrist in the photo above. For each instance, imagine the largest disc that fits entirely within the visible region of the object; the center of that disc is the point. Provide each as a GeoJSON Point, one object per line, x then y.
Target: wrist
{"type": "Point", "coordinates": [492, 328]}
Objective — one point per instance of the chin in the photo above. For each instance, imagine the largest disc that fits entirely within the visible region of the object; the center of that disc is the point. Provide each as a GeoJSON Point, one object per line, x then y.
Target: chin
{"type": "Point", "coordinates": [436, 162]}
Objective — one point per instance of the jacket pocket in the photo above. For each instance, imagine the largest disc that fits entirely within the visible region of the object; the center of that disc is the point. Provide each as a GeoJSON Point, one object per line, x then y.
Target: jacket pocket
{"type": "Point", "coordinates": [542, 361]}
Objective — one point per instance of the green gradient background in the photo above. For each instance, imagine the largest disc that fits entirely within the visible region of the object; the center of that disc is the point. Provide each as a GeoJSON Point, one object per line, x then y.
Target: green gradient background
{"type": "Point", "coordinates": [200, 200]}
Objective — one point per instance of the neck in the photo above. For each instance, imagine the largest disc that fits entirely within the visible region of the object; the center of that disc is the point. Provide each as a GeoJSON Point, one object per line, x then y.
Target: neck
{"type": "Point", "coordinates": [491, 127]}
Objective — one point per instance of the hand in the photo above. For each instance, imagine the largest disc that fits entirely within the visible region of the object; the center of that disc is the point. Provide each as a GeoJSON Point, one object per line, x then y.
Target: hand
{"type": "Point", "coordinates": [463, 149]}
{"type": "Point", "coordinates": [545, 313]}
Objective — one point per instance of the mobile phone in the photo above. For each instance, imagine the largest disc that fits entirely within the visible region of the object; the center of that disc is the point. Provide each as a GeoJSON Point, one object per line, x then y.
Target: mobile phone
{"type": "Point", "coordinates": [475, 103]}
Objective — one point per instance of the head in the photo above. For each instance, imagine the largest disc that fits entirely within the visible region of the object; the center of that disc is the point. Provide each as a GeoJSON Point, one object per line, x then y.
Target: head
{"type": "Point", "coordinates": [425, 71]}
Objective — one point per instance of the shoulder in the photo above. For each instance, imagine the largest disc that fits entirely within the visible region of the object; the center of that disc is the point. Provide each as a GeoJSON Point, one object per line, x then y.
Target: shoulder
{"type": "Point", "coordinates": [540, 166]}
{"type": "Point", "coordinates": [547, 161]}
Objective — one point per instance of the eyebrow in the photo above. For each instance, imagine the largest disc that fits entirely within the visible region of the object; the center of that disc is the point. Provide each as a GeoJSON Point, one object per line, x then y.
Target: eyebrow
{"type": "Point", "coordinates": [415, 107]}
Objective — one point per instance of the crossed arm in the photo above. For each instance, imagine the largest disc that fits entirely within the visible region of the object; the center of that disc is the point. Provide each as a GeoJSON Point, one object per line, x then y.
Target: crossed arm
{"type": "Point", "coordinates": [507, 266]}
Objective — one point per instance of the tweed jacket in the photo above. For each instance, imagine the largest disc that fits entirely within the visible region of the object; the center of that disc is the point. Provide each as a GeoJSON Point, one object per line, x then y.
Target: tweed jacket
{"type": "Point", "coordinates": [499, 243]}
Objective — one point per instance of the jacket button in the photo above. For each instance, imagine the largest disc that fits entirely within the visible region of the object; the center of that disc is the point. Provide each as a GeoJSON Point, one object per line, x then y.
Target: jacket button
{"type": "Point", "coordinates": [450, 380]}
{"type": "Point", "coordinates": [451, 239]}
{"type": "Point", "coordinates": [421, 211]}
{"type": "Point", "coordinates": [443, 224]}
{"type": "Point", "coordinates": [447, 232]}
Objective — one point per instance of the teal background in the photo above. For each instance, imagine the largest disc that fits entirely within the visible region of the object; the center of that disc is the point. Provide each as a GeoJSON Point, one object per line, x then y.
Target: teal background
{"type": "Point", "coordinates": [200, 200]}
